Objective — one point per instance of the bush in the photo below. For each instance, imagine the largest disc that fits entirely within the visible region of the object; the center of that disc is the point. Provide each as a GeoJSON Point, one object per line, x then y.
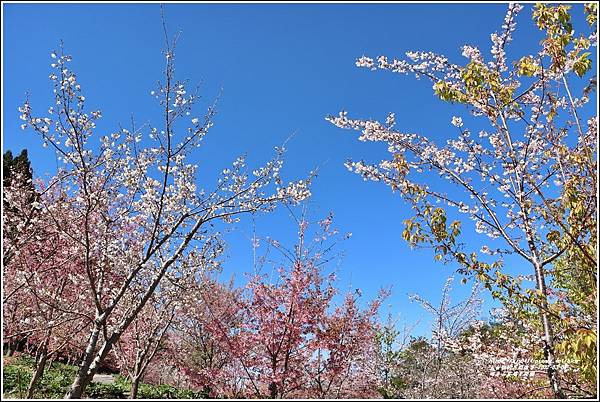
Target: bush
{"type": "Point", "coordinates": [56, 380]}
{"type": "Point", "coordinates": [150, 391]}
{"type": "Point", "coordinates": [105, 391]}
{"type": "Point", "coordinates": [15, 381]}
{"type": "Point", "coordinates": [54, 384]}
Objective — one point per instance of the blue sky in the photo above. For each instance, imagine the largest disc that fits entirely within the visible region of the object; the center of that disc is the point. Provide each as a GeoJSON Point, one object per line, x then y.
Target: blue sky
{"type": "Point", "coordinates": [282, 69]}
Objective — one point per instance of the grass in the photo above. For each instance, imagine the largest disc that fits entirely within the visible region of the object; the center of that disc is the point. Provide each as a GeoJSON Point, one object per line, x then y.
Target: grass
{"type": "Point", "coordinates": [59, 376]}
{"type": "Point", "coordinates": [17, 374]}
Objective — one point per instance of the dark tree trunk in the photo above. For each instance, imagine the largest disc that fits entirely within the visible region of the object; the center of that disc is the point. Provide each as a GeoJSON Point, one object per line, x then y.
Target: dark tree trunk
{"type": "Point", "coordinates": [273, 390]}
{"type": "Point", "coordinates": [40, 365]}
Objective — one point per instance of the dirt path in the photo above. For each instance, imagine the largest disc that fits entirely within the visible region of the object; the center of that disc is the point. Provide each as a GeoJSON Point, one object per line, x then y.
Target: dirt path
{"type": "Point", "coordinates": [103, 379]}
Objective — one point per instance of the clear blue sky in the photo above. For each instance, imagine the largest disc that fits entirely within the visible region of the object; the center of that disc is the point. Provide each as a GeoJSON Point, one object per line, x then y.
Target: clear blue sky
{"type": "Point", "coordinates": [282, 69]}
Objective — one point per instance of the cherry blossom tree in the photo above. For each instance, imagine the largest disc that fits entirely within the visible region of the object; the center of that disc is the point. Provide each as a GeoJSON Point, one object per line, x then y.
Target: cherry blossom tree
{"type": "Point", "coordinates": [465, 357]}
{"type": "Point", "coordinates": [282, 335]}
{"type": "Point", "coordinates": [507, 178]}
{"type": "Point", "coordinates": [138, 216]}
{"type": "Point", "coordinates": [201, 345]}
{"type": "Point", "coordinates": [148, 338]}
{"type": "Point", "coordinates": [144, 340]}
{"type": "Point", "coordinates": [450, 320]}
{"type": "Point", "coordinates": [502, 354]}
{"type": "Point", "coordinates": [345, 365]}
{"type": "Point", "coordinates": [44, 302]}
{"type": "Point", "coordinates": [275, 323]}
{"type": "Point", "coordinates": [426, 368]}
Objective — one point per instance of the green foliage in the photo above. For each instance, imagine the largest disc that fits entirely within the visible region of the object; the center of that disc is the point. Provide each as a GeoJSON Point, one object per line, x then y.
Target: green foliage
{"type": "Point", "coordinates": [17, 173]}
{"type": "Point", "coordinates": [122, 387]}
{"type": "Point", "coordinates": [556, 21]}
{"type": "Point", "coordinates": [479, 86]}
{"type": "Point", "coordinates": [591, 9]}
{"type": "Point", "coordinates": [147, 391]}
{"type": "Point", "coordinates": [574, 274]}
{"type": "Point", "coordinates": [395, 386]}
{"type": "Point", "coordinates": [574, 279]}
{"type": "Point", "coordinates": [15, 380]}
{"type": "Point", "coordinates": [435, 231]}
{"type": "Point", "coordinates": [58, 378]}
{"type": "Point", "coordinates": [527, 67]}
{"type": "Point", "coordinates": [581, 348]}
{"type": "Point", "coordinates": [106, 391]}
{"type": "Point", "coordinates": [386, 338]}
{"type": "Point", "coordinates": [583, 64]}
{"type": "Point", "coordinates": [17, 374]}
{"type": "Point", "coordinates": [16, 166]}
{"type": "Point", "coordinates": [401, 364]}
{"type": "Point", "coordinates": [447, 92]}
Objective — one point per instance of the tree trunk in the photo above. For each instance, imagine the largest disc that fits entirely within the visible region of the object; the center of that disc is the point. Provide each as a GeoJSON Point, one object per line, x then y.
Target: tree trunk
{"type": "Point", "coordinates": [83, 376]}
{"type": "Point", "coordinates": [39, 371]}
{"type": "Point", "coordinates": [548, 333]}
{"type": "Point", "coordinates": [79, 384]}
{"type": "Point", "coordinates": [135, 383]}
{"type": "Point", "coordinates": [273, 390]}
{"type": "Point", "coordinates": [91, 363]}
{"type": "Point", "coordinates": [10, 348]}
